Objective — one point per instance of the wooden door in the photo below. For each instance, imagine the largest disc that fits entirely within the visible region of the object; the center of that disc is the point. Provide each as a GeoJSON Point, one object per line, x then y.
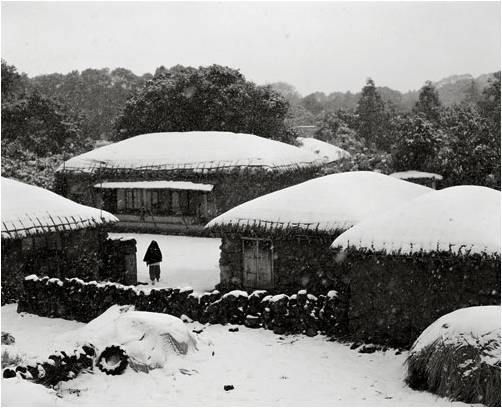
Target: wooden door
{"type": "Point", "coordinates": [257, 263]}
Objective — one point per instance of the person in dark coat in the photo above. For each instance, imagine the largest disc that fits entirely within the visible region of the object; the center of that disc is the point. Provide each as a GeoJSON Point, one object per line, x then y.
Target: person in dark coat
{"type": "Point", "coordinates": [153, 258]}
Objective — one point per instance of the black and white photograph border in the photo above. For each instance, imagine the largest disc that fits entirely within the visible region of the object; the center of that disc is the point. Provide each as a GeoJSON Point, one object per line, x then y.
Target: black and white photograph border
{"type": "Point", "coordinates": [239, 203]}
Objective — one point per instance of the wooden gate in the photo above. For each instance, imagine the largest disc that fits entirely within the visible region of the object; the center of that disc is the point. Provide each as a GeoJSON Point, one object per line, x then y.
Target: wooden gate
{"type": "Point", "coordinates": [257, 263]}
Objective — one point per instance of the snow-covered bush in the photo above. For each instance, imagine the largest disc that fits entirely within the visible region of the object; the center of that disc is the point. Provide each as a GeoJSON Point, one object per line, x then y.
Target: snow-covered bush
{"type": "Point", "coordinates": [458, 356]}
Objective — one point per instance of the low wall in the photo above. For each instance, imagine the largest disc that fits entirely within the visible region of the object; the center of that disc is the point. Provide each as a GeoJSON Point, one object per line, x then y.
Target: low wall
{"type": "Point", "coordinates": [75, 299]}
{"type": "Point", "coordinates": [394, 298]}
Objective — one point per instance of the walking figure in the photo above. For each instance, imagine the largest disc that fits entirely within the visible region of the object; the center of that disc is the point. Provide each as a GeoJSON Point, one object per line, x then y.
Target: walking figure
{"type": "Point", "coordinates": [153, 258]}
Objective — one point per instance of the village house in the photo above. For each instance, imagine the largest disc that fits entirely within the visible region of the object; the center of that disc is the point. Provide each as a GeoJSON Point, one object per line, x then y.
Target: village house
{"type": "Point", "coordinates": [177, 181]}
{"type": "Point", "coordinates": [419, 177]}
{"type": "Point", "coordinates": [49, 235]}
{"type": "Point", "coordinates": [432, 255]}
{"type": "Point", "coordinates": [280, 241]}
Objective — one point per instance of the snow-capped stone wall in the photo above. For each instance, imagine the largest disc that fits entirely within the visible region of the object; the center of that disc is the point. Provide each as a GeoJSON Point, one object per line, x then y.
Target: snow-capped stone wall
{"type": "Point", "coordinates": [83, 301]}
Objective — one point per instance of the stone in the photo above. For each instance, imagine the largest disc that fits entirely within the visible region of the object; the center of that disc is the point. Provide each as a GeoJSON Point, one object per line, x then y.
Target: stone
{"type": "Point", "coordinates": [368, 348]}
{"type": "Point", "coordinates": [252, 321]}
{"type": "Point", "coordinates": [228, 387]}
{"type": "Point", "coordinates": [8, 338]}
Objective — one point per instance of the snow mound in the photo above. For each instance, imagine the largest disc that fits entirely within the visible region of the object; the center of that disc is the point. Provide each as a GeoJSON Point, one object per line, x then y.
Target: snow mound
{"type": "Point", "coordinates": [477, 326]}
{"type": "Point", "coordinates": [195, 151]}
{"type": "Point", "coordinates": [327, 151]}
{"type": "Point", "coordinates": [461, 219]}
{"type": "Point", "coordinates": [148, 338]}
{"type": "Point", "coordinates": [30, 210]}
{"type": "Point", "coordinates": [331, 203]}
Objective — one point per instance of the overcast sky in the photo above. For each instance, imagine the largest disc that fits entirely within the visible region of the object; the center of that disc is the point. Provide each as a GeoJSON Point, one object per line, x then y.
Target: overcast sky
{"type": "Point", "coordinates": [321, 46]}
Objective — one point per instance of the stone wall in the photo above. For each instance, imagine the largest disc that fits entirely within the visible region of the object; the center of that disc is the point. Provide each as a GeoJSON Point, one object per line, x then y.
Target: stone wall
{"type": "Point", "coordinates": [119, 261]}
{"type": "Point", "coordinates": [394, 298]}
{"type": "Point", "coordinates": [75, 299]}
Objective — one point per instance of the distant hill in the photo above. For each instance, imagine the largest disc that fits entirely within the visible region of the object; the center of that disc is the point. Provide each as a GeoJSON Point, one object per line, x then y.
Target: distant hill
{"type": "Point", "coordinates": [452, 90]}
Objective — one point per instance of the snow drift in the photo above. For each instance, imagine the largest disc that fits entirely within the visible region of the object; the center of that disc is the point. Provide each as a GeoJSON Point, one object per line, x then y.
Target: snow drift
{"type": "Point", "coordinates": [461, 219]}
{"type": "Point", "coordinates": [195, 151]}
{"type": "Point", "coordinates": [30, 210]}
{"type": "Point", "coordinates": [331, 203]}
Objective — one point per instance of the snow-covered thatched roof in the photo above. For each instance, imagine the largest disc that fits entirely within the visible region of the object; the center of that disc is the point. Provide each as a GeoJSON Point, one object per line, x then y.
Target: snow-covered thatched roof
{"type": "Point", "coordinates": [30, 210]}
{"type": "Point", "coordinates": [415, 174]}
{"type": "Point", "coordinates": [331, 203]}
{"type": "Point", "coordinates": [324, 150]}
{"type": "Point", "coordinates": [193, 151]}
{"type": "Point", "coordinates": [460, 219]}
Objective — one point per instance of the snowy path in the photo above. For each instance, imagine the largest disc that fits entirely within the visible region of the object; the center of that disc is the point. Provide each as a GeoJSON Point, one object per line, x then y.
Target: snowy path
{"type": "Point", "coordinates": [264, 368]}
{"type": "Point", "coordinates": [187, 261]}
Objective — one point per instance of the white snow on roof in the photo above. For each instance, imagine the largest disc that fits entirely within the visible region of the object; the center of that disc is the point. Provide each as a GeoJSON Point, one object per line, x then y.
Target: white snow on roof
{"type": "Point", "coordinates": [330, 203]}
{"type": "Point", "coordinates": [28, 210]}
{"type": "Point", "coordinates": [196, 151]}
{"type": "Point", "coordinates": [414, 174]}
{"type": "Point", "coordinates": [475, 326]}
{"type": "Point", "coordinates": [322, 149]}
{"type": "Point", "coordinates": [157, 184]}
{"type": "Point", "coordinates": [460, 219]}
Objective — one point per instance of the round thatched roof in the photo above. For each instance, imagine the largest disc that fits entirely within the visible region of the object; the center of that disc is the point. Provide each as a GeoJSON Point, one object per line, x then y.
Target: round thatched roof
{"type": "Point", "coordinates": [30, 210]}
{"type": "Point", "coordinates": [461, 219]}
{"type": "Point", "coordinates": [193, 151]}
{"type": "Point", "coordinates": [331, 203]}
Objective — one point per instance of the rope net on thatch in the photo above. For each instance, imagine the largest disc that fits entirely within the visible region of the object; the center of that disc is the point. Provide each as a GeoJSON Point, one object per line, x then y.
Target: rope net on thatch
{"type": "Point", "coordinates": [243, 224]}
{"type": "Point", "coordinates": [205, 167]}
{"type": "Point", "coordinates": [459, 371]}
{"type": "Point", "coordinates": [33, 225]}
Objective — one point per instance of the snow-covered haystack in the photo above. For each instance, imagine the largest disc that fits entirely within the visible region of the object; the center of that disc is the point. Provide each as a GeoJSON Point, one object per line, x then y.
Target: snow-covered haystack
{"type": "Point", "coordinates": [461, 220]}
{"type": "Point", "coordinates": [193, 151]}
{"type": "Point", "coordinates": [458, 356]}
{"type": "Point", "coordinates": [331, 203]}
{"type": "Point", "coordinates": [326, 151]}
{"type": "Point", "coordinates": [148, 338]}
{"type": "Point", "coordinates": [30, 210]}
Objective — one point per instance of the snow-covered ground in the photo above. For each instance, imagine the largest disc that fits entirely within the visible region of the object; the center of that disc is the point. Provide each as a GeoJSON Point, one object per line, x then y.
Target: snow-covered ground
{"type": "Point", "coordinates": [186, 261]}
{"type": "Point", "coordinates": [264, 368]}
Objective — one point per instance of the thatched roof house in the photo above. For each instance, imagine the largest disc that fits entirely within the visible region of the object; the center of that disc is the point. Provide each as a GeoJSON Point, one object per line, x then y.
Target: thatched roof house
{"type": "Point", "coordinates": [44, 233]}
{"type": "Point", "coordinates": [197, 176]}
{"type": "Point", "coordinates": [280, 241]}
{"type": "Point", "coordinates": [442, 248]}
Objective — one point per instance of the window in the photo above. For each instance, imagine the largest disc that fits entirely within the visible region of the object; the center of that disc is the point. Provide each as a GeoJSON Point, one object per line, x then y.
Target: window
{"type": "Point", "coordinates": [257, 255]}
{"type": "Point", "coordinates": [133, 199]}
{"type": "Point", "coordinates": [159, 202]}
